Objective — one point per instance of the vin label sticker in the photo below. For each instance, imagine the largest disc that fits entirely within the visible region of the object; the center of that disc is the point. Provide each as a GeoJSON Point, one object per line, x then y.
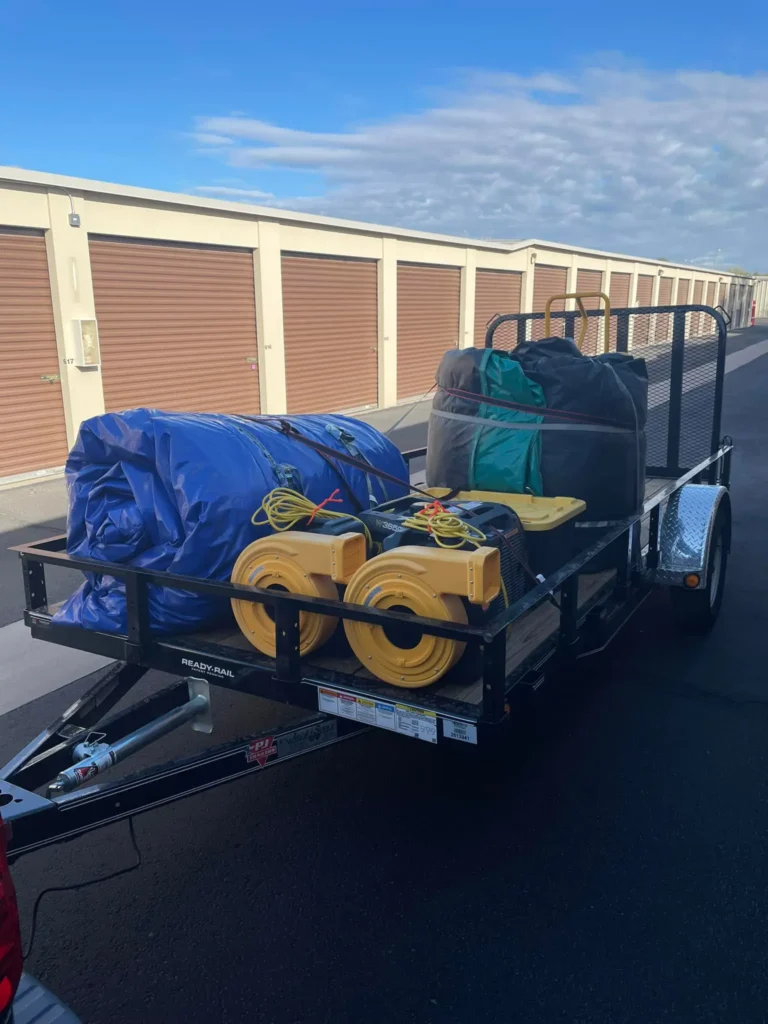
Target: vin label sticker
{"type": "Point", "coordinates": [466, 732]}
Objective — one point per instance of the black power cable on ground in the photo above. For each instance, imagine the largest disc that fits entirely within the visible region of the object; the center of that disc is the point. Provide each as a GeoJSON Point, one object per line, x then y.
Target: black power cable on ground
{"type": "Point", "coordinates": [81, 885]}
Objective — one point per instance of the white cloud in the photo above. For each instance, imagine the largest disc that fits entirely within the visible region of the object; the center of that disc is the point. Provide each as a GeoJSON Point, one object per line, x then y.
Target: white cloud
{"type": "Point", "coordinates": [657, 164]}
{"type": "Point", "coordinates": [211, 139]}
{"type": "Point", "coordinates": [227, 192]}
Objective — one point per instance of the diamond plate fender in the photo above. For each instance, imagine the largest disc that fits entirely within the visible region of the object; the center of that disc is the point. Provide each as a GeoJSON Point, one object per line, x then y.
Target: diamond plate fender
{"type": "Point", "coordinates": [686, 532]}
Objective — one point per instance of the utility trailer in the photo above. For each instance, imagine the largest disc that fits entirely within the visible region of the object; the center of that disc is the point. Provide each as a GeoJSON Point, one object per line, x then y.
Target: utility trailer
{"type": "Point", "coordinates": [55, 788]}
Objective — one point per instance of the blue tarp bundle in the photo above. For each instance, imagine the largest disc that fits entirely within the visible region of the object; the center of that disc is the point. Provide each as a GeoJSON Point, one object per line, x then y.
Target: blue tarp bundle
{"type": "Point", "coordinates": [176, 492]}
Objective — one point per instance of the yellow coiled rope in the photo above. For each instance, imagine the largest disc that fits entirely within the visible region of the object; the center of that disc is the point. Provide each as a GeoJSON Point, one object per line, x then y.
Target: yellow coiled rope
{"type": "Point", "coordinates": [447, 529]}
{"type": "Point", "coordinates": [285, 509]}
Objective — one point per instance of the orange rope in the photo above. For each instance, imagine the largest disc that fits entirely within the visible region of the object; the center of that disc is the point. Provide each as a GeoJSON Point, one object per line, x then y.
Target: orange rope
{"type": "Point", "coordinates": [331, 499]}
{"type": "Point", "coordinates": [434, 508]}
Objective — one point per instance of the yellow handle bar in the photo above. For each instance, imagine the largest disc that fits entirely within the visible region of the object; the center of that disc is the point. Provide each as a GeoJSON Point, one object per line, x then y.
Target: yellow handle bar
{"type": "Point", "coordinates": [584, 319]}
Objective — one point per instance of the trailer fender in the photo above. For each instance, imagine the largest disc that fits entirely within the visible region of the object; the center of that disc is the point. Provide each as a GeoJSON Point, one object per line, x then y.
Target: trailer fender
{"type": "Point", "coordinates": [686, 534]}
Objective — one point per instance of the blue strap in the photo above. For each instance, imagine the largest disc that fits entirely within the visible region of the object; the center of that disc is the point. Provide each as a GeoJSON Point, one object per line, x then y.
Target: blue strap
{"type": "Point", "coordinates": [348, 440]}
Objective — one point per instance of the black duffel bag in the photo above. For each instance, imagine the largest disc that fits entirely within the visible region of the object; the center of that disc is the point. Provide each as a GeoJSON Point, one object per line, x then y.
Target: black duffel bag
{"type": "Point", "coordinates": [603, 464]}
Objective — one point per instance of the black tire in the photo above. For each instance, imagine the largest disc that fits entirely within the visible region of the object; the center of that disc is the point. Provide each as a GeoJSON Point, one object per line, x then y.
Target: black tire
{"type": "Point", "coordinates": [696, 611]}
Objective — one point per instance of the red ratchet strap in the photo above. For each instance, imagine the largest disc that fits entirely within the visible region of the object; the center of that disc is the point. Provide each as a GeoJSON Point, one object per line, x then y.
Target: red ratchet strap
{"type": "Point", "coordinates": [562, 414]}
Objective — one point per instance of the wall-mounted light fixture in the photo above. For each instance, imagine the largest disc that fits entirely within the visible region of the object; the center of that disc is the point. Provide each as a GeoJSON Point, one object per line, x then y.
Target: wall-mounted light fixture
{"type": "Point", "coordinates": [86, 337]}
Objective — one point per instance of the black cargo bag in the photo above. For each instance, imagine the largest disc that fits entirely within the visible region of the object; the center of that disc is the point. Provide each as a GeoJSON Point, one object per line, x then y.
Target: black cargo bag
{"type": "Point", "coordinates": [603, 464]}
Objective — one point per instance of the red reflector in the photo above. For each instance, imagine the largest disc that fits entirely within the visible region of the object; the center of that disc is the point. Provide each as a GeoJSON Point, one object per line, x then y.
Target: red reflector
{"type": "Point", "coordinates": [6, 994]}
{"type": "Point", "coordinates": [10, 938]}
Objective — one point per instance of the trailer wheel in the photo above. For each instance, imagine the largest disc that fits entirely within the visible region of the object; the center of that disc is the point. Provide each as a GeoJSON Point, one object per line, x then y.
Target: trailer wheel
{"type": "Point", "coordinates": [696, 611]}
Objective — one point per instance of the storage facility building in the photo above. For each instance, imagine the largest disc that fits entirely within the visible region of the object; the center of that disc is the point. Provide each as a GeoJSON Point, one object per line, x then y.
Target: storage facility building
{"type": "Point", "coordinates": [113, 297]}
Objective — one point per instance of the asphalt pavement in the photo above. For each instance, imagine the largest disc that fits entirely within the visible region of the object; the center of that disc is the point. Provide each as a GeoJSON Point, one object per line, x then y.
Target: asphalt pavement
{"type": "Point", "coordinates": [607, 866]}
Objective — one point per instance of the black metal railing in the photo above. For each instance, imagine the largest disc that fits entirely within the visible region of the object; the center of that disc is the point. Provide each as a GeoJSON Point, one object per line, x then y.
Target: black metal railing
{"type": "Point", "coordinates": [684, 348]}
{"type": "Point", "coordinates": [283, 677]}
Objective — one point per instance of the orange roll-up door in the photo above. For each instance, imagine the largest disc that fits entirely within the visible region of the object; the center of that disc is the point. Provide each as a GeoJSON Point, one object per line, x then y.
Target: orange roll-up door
{"type": "Point", "coordinates": [619, 296]}
{"type": "Point", "coordinates": [663, 328]}
{"type": "Point", "coordinates": [548, 281]}
{"type": "Point", "coordinates": [427, 323]}
{"type": "Point", "coordinates": [177, 325]}
{"type": "Point", "coordinates": [330, 325]}
{"type": "Point", "coordinates": [697, 319]}
{"type": "Point", "coordinates": [496, 291]}
{"type": "Point", "coordinates": [642, 322]}
{"type": "Point", "coordinates": [32, 431]}
{"type": "Point", "coordinates": [591, 281]}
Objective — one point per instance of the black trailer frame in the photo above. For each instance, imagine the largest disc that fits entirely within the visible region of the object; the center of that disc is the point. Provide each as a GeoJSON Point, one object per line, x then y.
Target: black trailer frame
{"type": "Point", "coordinates": [38, 819]}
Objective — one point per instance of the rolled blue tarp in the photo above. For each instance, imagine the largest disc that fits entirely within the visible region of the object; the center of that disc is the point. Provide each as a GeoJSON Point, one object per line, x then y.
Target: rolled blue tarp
{"type": "Point", "coordinates": [176, 492]}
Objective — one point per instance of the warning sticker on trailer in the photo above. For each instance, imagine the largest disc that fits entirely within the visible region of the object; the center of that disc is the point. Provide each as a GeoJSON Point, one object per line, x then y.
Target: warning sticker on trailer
{"type": "Point", "coordinates": [366, 711]}
{"type": "Point", "coordinates": [347, 705]}
{"type": "Point", "coordinates": [385, 715]}
{"type": "Point", "coordinates": [328, 701]}
{"type": "Point", "coordinates": [466, 732]}
{"type": "Point", "coordinates": [421, 725]}
{"type": "Point", "coordinates": [99, 763]}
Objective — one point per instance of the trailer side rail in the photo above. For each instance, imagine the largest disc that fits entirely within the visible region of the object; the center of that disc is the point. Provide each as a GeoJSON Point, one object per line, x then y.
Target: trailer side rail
{"type": "Point", "coordinates": [286, 678]}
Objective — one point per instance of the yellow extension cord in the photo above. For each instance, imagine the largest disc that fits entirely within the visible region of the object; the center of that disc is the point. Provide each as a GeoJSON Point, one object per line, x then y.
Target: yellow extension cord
{"type": "Point", "coordinates": [447, 529]}
{"type": "Point", "coordinates": [284, 509]}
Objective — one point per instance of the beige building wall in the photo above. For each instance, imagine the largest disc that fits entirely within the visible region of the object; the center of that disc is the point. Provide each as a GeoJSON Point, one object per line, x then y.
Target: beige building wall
{"type": "Point", "coordinates": [761, 296]}
{"type": "Point", "coordinates": [45, 202]}
{"type": "Point", "coordinates": [69, 266]}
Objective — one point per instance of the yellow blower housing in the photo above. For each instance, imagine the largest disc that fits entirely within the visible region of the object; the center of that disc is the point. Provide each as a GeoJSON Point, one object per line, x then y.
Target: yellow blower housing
{"type": "Point", "coordinates": [300, 563]}
{"type": "Point", "coordinates": [424, 581]}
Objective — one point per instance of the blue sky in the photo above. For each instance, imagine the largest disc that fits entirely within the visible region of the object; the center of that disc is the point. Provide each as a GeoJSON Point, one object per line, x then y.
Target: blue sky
{"type": "Point", "coordinates": [349, 109]}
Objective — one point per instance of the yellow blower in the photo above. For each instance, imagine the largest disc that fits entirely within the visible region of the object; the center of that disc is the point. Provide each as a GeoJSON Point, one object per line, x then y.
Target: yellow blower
{"type": "Point", "coordinates": [300, 563]}
{"type": "Point", "coordinates": [424, 581]}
